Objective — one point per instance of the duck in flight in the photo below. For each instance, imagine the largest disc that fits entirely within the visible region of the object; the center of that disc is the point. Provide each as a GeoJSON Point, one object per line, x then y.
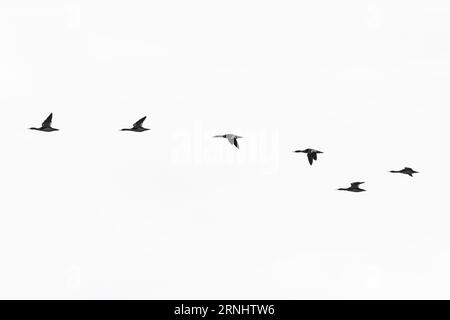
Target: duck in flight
{"type": "Point", "coordinates": [232, 138]}
{"type": "Point", "coordinates": [46, 125]}
{"type": "Point", "coordinates": [137, 127]}
{"type": "Point", "coordinates": [406, 170]}
{"type": "Point", "coordinates": [311, 153]}
{"type": "Point", "coordinates": [354, 187]}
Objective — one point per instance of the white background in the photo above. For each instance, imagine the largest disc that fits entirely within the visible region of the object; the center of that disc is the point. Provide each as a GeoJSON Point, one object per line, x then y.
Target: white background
{"type": "Point", "coordinates": [92, 212]}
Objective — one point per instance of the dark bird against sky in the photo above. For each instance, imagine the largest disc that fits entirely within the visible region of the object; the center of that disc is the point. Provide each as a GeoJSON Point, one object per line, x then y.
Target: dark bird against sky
{"type": "Point", "coordinates": [354, 187]}
{"type": "Point", "coordinates": [232, 138]}
{"type": "Point", "coordinates": [410, 172]}
{"type": "Point", "coordinates": [137, 127]}
{"type": "Point", "coordinates": [46, 125]}
{"type": "Point", "coordinates": [311, 153]}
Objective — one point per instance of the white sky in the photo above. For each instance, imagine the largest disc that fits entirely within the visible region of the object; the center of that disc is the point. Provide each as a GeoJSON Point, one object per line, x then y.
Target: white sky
{"type": "Point", "coordinates": [91, 212]}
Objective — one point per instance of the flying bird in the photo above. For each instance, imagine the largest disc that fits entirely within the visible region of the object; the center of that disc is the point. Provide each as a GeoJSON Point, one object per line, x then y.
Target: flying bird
{"type": "Point", "coordinates": [137, 127]}
{"type": "Point", "coordinates": [311, 153]}
{"type": "Point", "coordinates": [46, 125]}
{"type": "Point", "coordinates": [354, 187]}
{"type": "Point", "coordinates": [406, 170]}
{"type": "Point", "coordinates": [232, 138]}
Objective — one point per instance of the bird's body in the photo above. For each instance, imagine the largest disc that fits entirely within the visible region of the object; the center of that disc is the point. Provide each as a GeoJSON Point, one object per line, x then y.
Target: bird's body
{"type": "Point", "coordinates": [311, 153]}
{"type": "Point", "coordinates": [137, 127]}
{"type": "Point", "coordinates": [46, 125]}
{"type": "Point", "coordinates": [354, 187]}
{"type": "Point", "coordinates": [406, 170]}
{"type": "Point", "coordinates": [232, 138]}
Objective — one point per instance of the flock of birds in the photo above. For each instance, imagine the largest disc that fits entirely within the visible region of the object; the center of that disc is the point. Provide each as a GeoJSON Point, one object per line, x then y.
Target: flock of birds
{"type": "Point", "coordinates": [233, 139]}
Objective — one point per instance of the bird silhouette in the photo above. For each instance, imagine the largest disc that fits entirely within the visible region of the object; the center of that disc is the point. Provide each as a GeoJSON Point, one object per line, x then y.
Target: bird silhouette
{"type": "Point", "coordinates": [406, 170]}
{"type": "Point", "coordinates": [232, 138]}
{"type": "Point", "coordinates": [137, 127]}
{"type": "Point", "coordinates": [46, 125]}
{"type": "Point", "coordinates": [311, 153]}
{"type": "Point", "coordinates": [354, 187]}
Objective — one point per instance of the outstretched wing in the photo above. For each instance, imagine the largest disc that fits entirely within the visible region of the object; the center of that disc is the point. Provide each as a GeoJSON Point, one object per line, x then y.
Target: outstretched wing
{"type": "Point", "coordinates": [356, 184]}
{"type": "Point", "coordinates": [235, 142]}
{"type": "Point", "coordinates": [48, 122]}
{"type": "Point", "coordinates": [139, 123]}
{"type": "Point", "coordinates": [310, 158]}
